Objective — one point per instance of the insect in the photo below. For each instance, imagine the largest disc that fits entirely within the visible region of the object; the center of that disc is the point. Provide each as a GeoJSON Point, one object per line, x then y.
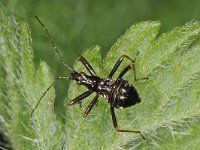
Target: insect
{"type": "Point", "coordinates": [119, 93]}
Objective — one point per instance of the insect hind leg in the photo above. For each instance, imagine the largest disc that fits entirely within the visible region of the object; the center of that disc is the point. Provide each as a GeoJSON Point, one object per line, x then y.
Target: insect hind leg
{"type": "Point", "coordinates": [131, 66]}
{"type": "Point", "coordinates": [118, 63]}
{"type": "Point", "coordinates": [115, 125]}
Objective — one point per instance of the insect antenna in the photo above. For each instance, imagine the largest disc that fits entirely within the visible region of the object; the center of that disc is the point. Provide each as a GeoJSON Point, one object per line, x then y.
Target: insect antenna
{"type": "Point", "coordinates": [60, 78]}
{"type": "Point", "coordinates": [42, 97]}
{"type": "Point", "coordinates": [62, 61]}
{"type": "Point", "coordinates": [54, 47]}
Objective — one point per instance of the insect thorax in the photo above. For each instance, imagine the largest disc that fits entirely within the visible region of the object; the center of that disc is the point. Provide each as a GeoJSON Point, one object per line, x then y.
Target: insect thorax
{"type": "Point", "coordinates": [104, 87]}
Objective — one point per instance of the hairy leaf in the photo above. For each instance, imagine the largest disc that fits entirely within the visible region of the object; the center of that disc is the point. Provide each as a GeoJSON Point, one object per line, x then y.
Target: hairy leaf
{"type": "Point", "coordinates": [170, 107]}
{"type": "Point", "coordinates": [168, 115]}
{"type": "Point", "coordinates": [21, 87]}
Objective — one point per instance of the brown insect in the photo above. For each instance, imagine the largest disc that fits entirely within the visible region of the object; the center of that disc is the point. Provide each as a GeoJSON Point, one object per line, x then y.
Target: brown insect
{"type": "Point", "coordinates": [119, 93]}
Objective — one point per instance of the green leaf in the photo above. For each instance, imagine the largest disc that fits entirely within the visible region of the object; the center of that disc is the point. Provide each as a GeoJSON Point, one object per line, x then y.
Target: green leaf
{"type": "Point", "coordinates": [169, 111]}
{"type": "Point", "coordinates": [168, 115]}
{"type": "Point", "coordinates": [21, 86]}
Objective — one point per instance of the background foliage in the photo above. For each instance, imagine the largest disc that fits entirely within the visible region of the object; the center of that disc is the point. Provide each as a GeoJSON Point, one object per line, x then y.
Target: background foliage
{"type": "Point", "coordinates": [79, 24]}
{"type": "Point", "coordinates": [86, 23]}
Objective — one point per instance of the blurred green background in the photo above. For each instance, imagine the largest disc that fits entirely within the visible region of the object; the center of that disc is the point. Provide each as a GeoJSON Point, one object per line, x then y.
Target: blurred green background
{"type": "Point", "coordinates": [79, 24]}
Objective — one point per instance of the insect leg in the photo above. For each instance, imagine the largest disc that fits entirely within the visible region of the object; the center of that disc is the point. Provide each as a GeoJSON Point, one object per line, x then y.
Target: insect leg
{"type": "Point", "coordinates": [79, 98]}
{"type": "Point", "coordinates": [59, 78]}
{"type": "Point", "coordinates": [87, 65]}
{"type": "Point", "coordinates": [116, 125]}
{"type": "Point", "coordinates": [90, 106]}
{"type": "Point", "coordinates": [116, 66]}
{"type": "Point", "coordinates": [127, 69]}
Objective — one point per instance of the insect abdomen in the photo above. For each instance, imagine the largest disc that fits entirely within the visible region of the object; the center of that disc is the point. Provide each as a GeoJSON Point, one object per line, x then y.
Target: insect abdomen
{"type": "Point", "coordinates": [126, 95]}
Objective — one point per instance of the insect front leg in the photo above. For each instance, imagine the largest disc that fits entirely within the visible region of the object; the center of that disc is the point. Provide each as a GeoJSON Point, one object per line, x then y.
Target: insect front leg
{"type": "Point", "coordinates": [79, 98]}
{"type": "Point", "coordinates": [87, 65]}
{"type": "Point", "coordinates": [115, 125]}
